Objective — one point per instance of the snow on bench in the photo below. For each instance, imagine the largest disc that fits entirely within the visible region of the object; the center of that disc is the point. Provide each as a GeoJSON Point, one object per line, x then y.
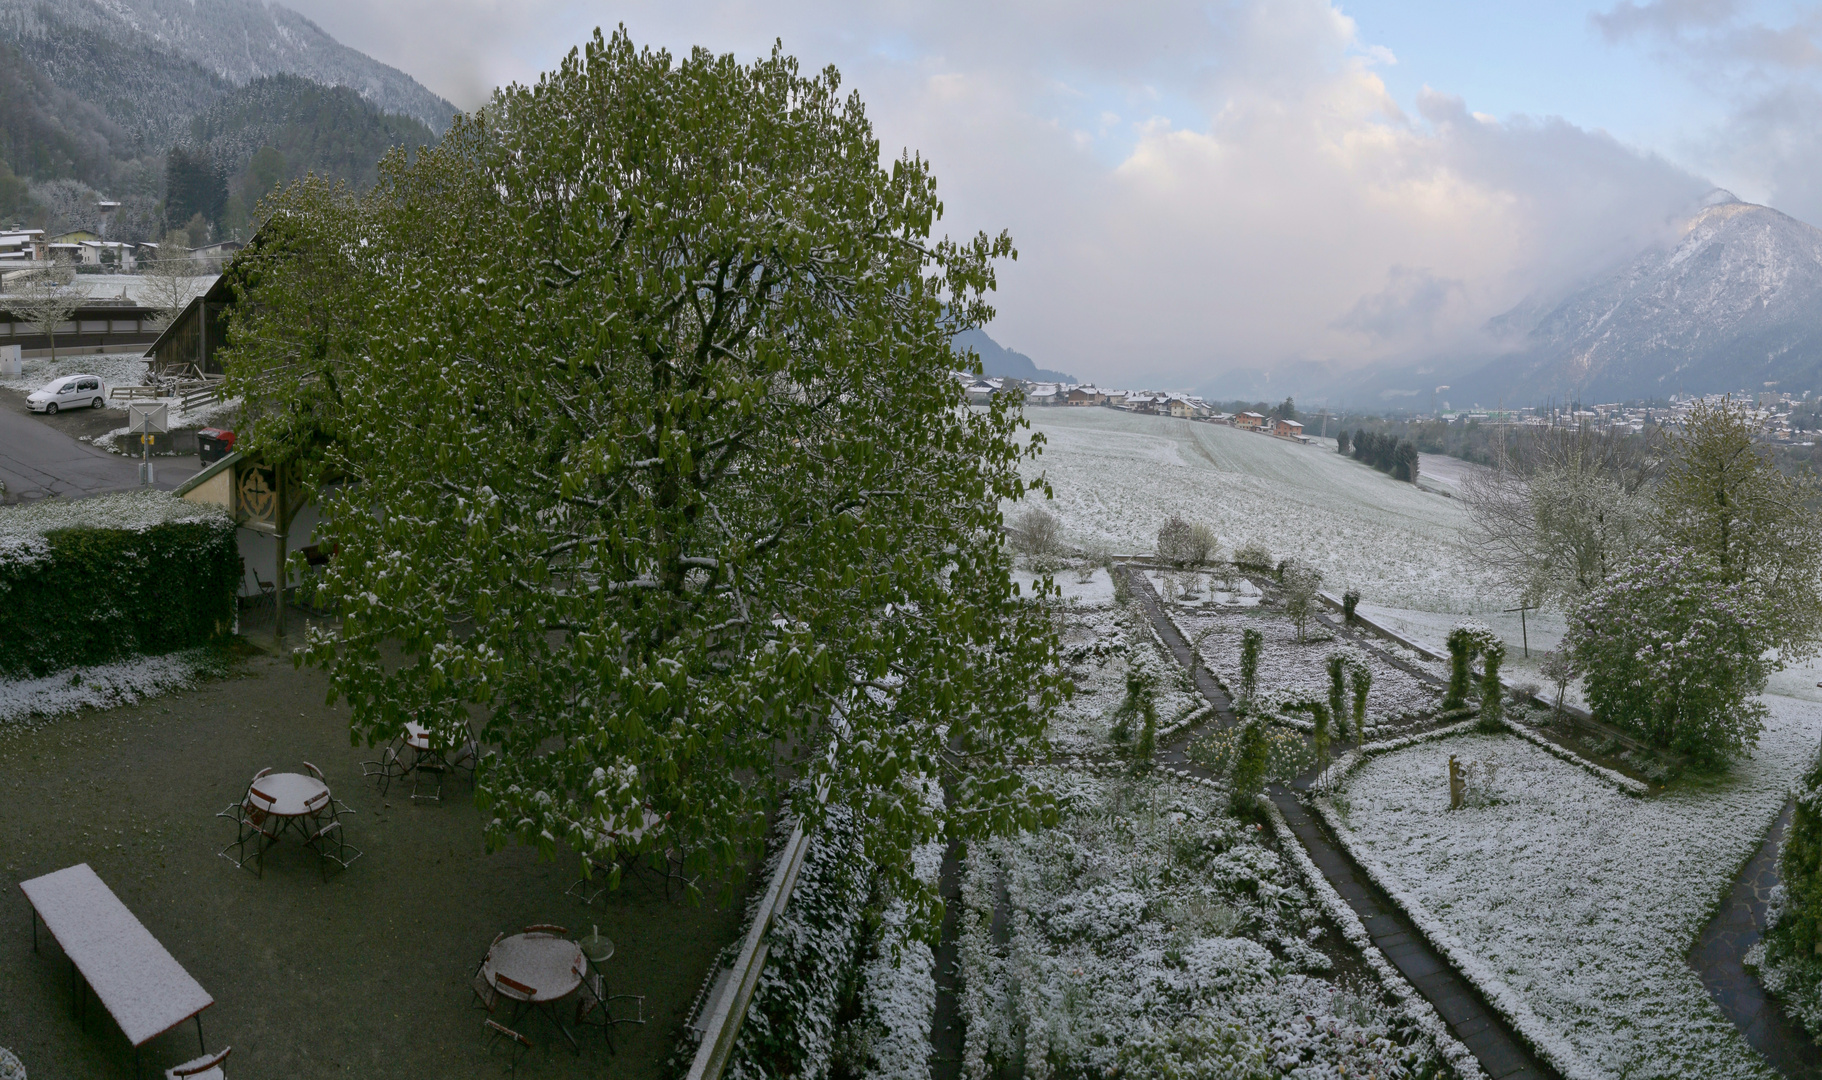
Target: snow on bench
{"type": "Point", "coordinates": [146, 991]}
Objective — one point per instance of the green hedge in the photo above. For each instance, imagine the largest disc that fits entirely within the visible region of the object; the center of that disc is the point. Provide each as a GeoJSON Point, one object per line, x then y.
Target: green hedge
{"type": "Point", "coordinates": [89, 595]}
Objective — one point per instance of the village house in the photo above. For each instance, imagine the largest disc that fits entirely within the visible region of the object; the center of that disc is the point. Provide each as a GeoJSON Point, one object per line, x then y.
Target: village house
{"type": "Point", "coordinates": [1287, 429]}
{"type": "Point", "coordinates": [1085, 395]}
{"type": "Point", "coordinates": [1180, 407]}
{"type": "Point", "coordinates": [1251, 421]}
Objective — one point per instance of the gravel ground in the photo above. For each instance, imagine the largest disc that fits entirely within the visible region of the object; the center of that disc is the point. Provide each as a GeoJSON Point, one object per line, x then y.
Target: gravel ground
{"type": "Point", "coordinates": [364, 976]}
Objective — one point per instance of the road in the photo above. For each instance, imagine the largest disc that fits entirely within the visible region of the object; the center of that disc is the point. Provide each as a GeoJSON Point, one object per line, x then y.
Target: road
{"type": "Point", "coordinates": [39, 461]}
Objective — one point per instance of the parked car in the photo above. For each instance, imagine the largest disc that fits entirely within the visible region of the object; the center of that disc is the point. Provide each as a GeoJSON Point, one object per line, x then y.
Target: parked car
{"type": "Point", "coordinates": [69, 392]}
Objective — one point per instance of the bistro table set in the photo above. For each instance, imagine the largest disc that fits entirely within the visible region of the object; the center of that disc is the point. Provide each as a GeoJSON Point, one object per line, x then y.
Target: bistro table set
{"type": "Point", "coordinates": [540, 969]}
{"type": "Point", "coordinates": [298, 803]}
{"type": "Point", "coordinates": [148, 993]}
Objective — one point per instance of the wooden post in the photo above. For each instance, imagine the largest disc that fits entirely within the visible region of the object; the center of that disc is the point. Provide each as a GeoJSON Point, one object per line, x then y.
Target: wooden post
{"type": "Point", "coordinates": [1524, 633]}
{"type": "Point", "coordinates": [283, 521]}
{"type": "Point", "coordinates": [1457, 784]}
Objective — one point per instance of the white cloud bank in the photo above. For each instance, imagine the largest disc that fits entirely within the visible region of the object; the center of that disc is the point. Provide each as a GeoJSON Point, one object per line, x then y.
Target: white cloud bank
{"type": "Point", "coordinates": [1192, 187]}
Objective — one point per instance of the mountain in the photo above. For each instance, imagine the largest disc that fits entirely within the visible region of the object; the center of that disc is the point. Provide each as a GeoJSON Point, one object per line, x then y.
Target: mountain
{"type": "Point", "coordinates": [999, 361]}
{"type": "Point", "coordinates": [231, 41]}
{"type": "Point", "coordinates": [1733, 302]}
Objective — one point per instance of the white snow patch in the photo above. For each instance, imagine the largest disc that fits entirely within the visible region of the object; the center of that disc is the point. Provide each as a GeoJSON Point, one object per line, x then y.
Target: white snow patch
{"type": "Point", "coordinates": [1578, 898]}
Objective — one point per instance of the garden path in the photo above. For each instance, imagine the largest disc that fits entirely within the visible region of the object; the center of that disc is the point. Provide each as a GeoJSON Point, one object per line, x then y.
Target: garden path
{"type": "Point", "coordinates": [1500, 1053]}
{"type": "Point", "coordinates": [1717, 954]}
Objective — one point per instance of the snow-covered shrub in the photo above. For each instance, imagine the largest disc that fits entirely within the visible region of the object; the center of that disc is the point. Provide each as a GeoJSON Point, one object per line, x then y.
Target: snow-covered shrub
{"type": "Point", "coordinates": [1791, 963]}
{"type": "Point", "coordinates": [1152, 934]}
{"type": "Point", "coordinates": [1673, 652]}
{"type": "Point", "coordinates": [897, 983]}
{"type": "Point", "coordinates": [1492, 654]}
{"type": "Point", "coordinates": [813, 945]}
{"type": "Point", "coordinates": [1350, 600]}
{"type": "Point", "coordinates": [10, 1066]}
{"type": "Point", "coordinates": [1185, 543]}
{"type": "Point", "coordinates": [1038, 536]}
{"type": "Point", "coordinates": [96, 580]}
{"type": "Point", "coordinates": [1301, 581]}
{"type": "Point", "coordinates": [1287, 753]}
{"type": "Point", "coordinates": [1250, 639]}
{"type": "Point", "coordinates": [1253, 557]}
{"type": "Point", "coordinates": [1466, 641]}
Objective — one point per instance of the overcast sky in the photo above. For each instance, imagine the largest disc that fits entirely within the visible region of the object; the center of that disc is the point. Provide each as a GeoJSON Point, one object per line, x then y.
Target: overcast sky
{"type": "Point", "coordinates": [1232, 185]}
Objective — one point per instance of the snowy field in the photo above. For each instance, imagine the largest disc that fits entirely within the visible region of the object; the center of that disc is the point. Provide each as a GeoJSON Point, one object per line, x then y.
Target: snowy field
{"type": "Point", "coordinates": [1116, 476]}
{"type": "Point", "coordinates": [1583, 901]}
{"type": "Point", "coordinates": [1153, 934]}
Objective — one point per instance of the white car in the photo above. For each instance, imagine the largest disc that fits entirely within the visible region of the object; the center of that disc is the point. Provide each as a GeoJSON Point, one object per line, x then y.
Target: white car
{"type": "Point", "coordinates": [69, 392]}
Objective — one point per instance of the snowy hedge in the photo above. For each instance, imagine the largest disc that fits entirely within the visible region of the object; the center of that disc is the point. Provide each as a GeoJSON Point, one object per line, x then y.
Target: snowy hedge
{"type": "Point", "coordinates": [1789, 958]}
{"type": "Point", "coordinates": [790, 1026]}
{"type": "Point", "coordinates": [96, 580]}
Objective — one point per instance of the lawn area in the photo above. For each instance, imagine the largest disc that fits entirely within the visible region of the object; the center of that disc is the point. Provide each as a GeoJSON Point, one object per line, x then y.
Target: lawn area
{"type": "Point", "coordinates": [1578, 898]}
{"type": "Point", "coordinates": [364, 976]}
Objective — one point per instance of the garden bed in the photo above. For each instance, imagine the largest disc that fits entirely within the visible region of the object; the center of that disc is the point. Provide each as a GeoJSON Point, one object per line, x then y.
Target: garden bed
{"type": "Point", "coordinates": [1152, 931]}
{"type": "Point", "coordinates": [1576, 900]}
{"type": "Point", "coordinates": [1398, 701]}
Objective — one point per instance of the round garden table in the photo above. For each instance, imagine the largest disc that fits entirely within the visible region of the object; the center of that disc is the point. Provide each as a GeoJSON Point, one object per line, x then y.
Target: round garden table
{"type": "Point", "coordinates": [289, 795]}
{"type": "Point", "coordinates": [536, 970]}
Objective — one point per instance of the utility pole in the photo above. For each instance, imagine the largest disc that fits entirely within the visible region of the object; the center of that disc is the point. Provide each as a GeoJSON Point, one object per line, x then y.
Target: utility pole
{"type": "Point", "coordinates": [1524, 636]}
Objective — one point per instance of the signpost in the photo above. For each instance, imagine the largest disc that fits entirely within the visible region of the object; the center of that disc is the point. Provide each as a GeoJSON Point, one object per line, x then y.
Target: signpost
{"type": "Point", "coordinates": [147, 420]}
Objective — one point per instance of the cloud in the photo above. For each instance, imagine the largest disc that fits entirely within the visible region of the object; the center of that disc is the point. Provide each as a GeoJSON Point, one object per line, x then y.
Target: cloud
{"type": "Point", "coordinates": [1193, 187]}
{"type": "Point", "coordinates": [1408, 307]}
{"type": "Point", "coordinates": [1768, 78]}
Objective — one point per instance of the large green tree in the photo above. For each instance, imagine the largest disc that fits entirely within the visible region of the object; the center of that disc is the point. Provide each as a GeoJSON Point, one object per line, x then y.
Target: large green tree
{"type": "Point", "coordinates": [1723, 498]}
{"type": "Point", "coordinates": [636, 393]}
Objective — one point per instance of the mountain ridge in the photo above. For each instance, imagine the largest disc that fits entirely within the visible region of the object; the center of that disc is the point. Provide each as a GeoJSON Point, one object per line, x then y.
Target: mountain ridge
{"type": "Point", "coordinates": [1734, 302]}
{"type": "Point", "coordinates": [997, 361]}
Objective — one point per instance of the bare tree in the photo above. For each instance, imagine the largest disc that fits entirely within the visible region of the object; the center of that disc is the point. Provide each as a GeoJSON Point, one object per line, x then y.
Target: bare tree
{"type": "Point", "coordinates": [1553, 519]}
{"type": "Point", "coordinates": [46, 298]}
{"type": "Point", "coordinates": [172, 280]}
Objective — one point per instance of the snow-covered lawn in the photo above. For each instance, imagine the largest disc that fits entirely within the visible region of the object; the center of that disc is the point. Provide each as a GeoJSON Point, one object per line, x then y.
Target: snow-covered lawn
{"type": "Point", "coordinates": [1116, 476]}
{"type": "Point", "coordinates": [115, 369]}
{"type": "Point", "coordinates": [1151, 933]}
{"type": "Point", "coordinates": [1580, 900]}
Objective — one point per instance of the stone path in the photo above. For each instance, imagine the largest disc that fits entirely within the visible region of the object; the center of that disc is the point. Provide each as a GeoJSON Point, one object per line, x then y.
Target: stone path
{"type": "Point", "coordinates": [1500, 1053]}
{"type": "Point", "coordinates": [947, 1026]}
{"type": "Point", "coordinates": [1717, 953]}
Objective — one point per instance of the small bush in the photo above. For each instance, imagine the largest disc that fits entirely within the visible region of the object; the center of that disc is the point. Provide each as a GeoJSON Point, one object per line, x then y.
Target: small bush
{"type": "Point", "coordinates": [1037, 534]}
{"type": "Point", "coordinates": [1250, 640]}
{"type": "Point", "coordinates": [1253, 557]}
{"type": "Point", "coordinates": [1252, 762]}
{"type": "Point", "coordinates": [1675, 653]}
{"type": "Point", "coordinates": [1349, 601]}
{"type": "Point", "coordinates": [1491, 695]}
{"type": "Point", "coordinates": [1301, 583]}
{"type": "Point", "coordinates": [1183, 543]}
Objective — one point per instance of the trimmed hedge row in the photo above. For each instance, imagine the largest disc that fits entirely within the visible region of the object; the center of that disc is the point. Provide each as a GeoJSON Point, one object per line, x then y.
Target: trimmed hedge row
{"type": "Point", "coordinates": [101, 594]}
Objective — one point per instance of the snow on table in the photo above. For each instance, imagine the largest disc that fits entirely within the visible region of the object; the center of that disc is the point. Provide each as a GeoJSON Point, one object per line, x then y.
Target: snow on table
{"type": "Point", "coordinates": [145, 990]}
{"type": "Point", "coordinates": [1582, 900]}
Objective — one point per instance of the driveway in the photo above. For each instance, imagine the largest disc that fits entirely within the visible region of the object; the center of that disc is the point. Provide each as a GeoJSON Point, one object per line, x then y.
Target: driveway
{"type": "Point", "coordinates": [39, 461]}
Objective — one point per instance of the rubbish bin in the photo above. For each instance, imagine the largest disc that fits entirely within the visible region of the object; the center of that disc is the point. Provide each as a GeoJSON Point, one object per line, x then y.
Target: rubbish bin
{"type": "Point", "coordinates": [213, 444]}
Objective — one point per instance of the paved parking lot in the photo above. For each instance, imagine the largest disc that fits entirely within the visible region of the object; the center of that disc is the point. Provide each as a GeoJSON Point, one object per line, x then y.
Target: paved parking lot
{"type": "Point", "coordinates": [43, 457]}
